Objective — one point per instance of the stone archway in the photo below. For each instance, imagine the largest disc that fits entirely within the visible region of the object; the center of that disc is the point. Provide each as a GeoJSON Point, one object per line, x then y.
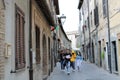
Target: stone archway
{"type": "Point", "coordinates": [44, 57]}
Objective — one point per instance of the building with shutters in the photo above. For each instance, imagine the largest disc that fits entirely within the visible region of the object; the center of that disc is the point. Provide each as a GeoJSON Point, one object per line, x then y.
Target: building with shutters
{"type": "Point", "coordinates": [26, 41]}
{"type": "Point", "coordinates": [16, 40]}
{"type": "Point", "coordinates": [99, 35]}
{"type": "Point", "coordinates": [44, 41]}
{"type": "Point", "coordinates": [84, 28]}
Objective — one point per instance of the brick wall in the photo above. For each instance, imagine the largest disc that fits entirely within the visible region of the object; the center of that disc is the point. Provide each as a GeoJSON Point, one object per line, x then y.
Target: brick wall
{"type": "Point", "coordinates": [2, 38]}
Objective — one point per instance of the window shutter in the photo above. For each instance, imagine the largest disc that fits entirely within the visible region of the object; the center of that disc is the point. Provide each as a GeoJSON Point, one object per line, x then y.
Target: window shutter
{"type": "Point", "coordinates": [104, 8]}
{"type": "Point", "coordinates": [96, 16]}
{"type": "Point", "coordinates": [19, 40]}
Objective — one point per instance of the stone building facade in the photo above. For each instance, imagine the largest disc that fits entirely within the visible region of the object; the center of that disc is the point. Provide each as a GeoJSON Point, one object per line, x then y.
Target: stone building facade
{"type": "Point", "coordinates": [43, 42]}
{"type": "Point", "coordinates": [72, 35]}
{"type": "Point", "coordinates": [65, 42]}
{"type": "Point", "coordinates": [99, 35]}
{"type": "Point", "coordinates": [24, 23]}
{"type": "Point", "coordinates": [2, 39]}
{"type": "Point", "coordinates": [16, 39]}
{"type": "Point", "coordinates": [15, 17]}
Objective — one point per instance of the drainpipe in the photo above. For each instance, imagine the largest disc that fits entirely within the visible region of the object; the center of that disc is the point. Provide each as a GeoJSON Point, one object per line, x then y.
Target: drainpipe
{"type": "Point", "coordinates": [30, 42]}
{"type": "Point", "coordinates": [89, 55]}
{"type": "Point", "coordinates": [109, 44]}
{"type": "Point", "coordinates": [84, 43]}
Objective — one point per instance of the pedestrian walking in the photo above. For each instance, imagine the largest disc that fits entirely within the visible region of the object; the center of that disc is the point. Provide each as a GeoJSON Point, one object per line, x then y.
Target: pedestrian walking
{"type": "Point", "coordinates": [72, 60]}
{"type": "Point", "coordinates": [62, 59]}
{"type": "Point", "coordinates": [79, 61]}
{"type": "Point", "coordinates": [67, 61]}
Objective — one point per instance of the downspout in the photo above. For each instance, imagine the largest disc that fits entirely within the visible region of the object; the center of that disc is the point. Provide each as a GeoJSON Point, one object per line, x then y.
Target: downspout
{"type": "Point", "coordinates": [109, 40]}
{"type": "Point", "coordinates": [30, 42]}
{"type": "Point", "coordinates": [89, 55]}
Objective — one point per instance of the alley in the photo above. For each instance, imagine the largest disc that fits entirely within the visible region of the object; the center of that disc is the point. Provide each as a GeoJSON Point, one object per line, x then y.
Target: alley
{"type": "Point", "coordinates": [36, 34]}
{"type": "Point", "coordinates": [89, 72]}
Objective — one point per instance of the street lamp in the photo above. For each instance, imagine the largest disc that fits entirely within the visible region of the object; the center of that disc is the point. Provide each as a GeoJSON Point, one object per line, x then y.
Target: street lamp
{"type": "Point", "coordinates": [63, 18]}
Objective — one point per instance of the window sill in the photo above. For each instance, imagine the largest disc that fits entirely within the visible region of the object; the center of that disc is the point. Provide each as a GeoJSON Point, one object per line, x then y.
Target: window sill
{"type": "Point", "coordinates": [16, 71]}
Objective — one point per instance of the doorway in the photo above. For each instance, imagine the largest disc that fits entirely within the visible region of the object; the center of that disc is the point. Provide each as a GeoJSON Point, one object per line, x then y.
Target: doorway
{"type": "Point", "coordinates": [44, 61]}
{"type": "Point", "coordinates": [100, 59]}
{"type": "Point", "coordinates": [114, 56]}
{"type": "Point", "coordinates": [93, 56]}
{"type": "Point", "coordinates": [38, 57]}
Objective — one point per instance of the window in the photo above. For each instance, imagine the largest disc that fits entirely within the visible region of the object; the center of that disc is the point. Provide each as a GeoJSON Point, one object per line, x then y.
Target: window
{"type": "Point", "coordinates": [85, 25]}
{"type": "Point", "coordinates": [80, 16]}
{"type": "Point", "coordinates": [88, 22]}
{"type": "Point", "coordinates": [19, 39]}
{"type": "Point", "coordinates": [91, 19]}
{"type": "Point", "coordinates": [104, 8]}
{"type": "Point", "coordinates": [96, 16]}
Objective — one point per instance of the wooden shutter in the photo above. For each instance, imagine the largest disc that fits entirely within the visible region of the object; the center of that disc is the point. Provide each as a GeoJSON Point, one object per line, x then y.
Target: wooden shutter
{"type": "Point", "coordinates": [19, 40]}
{"type": "Point", "coordinates": [104, 8]}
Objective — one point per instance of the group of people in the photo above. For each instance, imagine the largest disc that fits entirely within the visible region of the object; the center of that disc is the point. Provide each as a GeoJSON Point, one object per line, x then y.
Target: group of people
{"type": "Point", "coordinates": [69, 59]}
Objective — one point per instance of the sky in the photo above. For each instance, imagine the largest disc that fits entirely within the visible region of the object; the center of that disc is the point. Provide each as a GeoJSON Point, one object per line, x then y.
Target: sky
{"type": "Point", "coordinates": [70, 9]}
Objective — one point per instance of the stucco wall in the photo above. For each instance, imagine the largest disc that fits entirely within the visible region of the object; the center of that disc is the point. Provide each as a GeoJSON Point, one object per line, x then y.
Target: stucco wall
{"type": "Point", "coordinates": [10, 39]}
{"type": "Point", "coordinates": [114, 9]}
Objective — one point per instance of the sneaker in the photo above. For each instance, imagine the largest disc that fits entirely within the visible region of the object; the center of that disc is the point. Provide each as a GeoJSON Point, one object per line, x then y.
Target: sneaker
{"type": "Point", "coordinates": [62, 70]}
{"type": "Point", "coordinates": [68, 73]}
{"type": "Point", "coordinates": [73, 70]}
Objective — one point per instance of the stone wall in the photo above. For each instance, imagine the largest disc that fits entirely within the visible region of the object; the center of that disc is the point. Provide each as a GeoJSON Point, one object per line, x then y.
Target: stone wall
{"type": "Point", "coordinates": [2, 39]}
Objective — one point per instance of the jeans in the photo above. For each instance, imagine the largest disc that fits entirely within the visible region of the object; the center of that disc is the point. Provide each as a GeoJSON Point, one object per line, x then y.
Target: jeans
{"type": "Point", "coordinates": [72, 64]}
{"type": "Point", "coordinates": [68, 66]}
{"type": "Point", "coordinates": [62, 66]}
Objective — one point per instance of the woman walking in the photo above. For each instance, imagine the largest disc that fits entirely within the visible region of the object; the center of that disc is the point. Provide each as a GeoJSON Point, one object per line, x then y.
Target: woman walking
{"type": "Point", "coordinates": [79, 60]}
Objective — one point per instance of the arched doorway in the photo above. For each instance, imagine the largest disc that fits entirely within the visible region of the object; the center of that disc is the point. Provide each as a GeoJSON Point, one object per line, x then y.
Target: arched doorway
{"type": "Point", "coordinates": [44, 61]}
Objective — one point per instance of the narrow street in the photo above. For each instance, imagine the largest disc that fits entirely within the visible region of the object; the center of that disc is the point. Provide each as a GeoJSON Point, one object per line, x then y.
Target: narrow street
{"type": "Point", "coordinates": [89, 72]}
{"type": "Point", "coordinates": [35, 35]}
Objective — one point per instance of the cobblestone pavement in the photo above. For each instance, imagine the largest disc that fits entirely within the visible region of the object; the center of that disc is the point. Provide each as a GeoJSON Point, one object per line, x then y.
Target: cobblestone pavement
{"type": "Point", "coordinates": [88, 72]}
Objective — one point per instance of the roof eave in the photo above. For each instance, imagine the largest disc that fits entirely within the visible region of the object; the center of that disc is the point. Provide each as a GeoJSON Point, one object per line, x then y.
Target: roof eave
{"type": "Point", "coordinates": [80, 4]}
{"type": "Point", "coordinates": [56, 3]}
{"type": "Point", "coordinates": [45, 9]}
